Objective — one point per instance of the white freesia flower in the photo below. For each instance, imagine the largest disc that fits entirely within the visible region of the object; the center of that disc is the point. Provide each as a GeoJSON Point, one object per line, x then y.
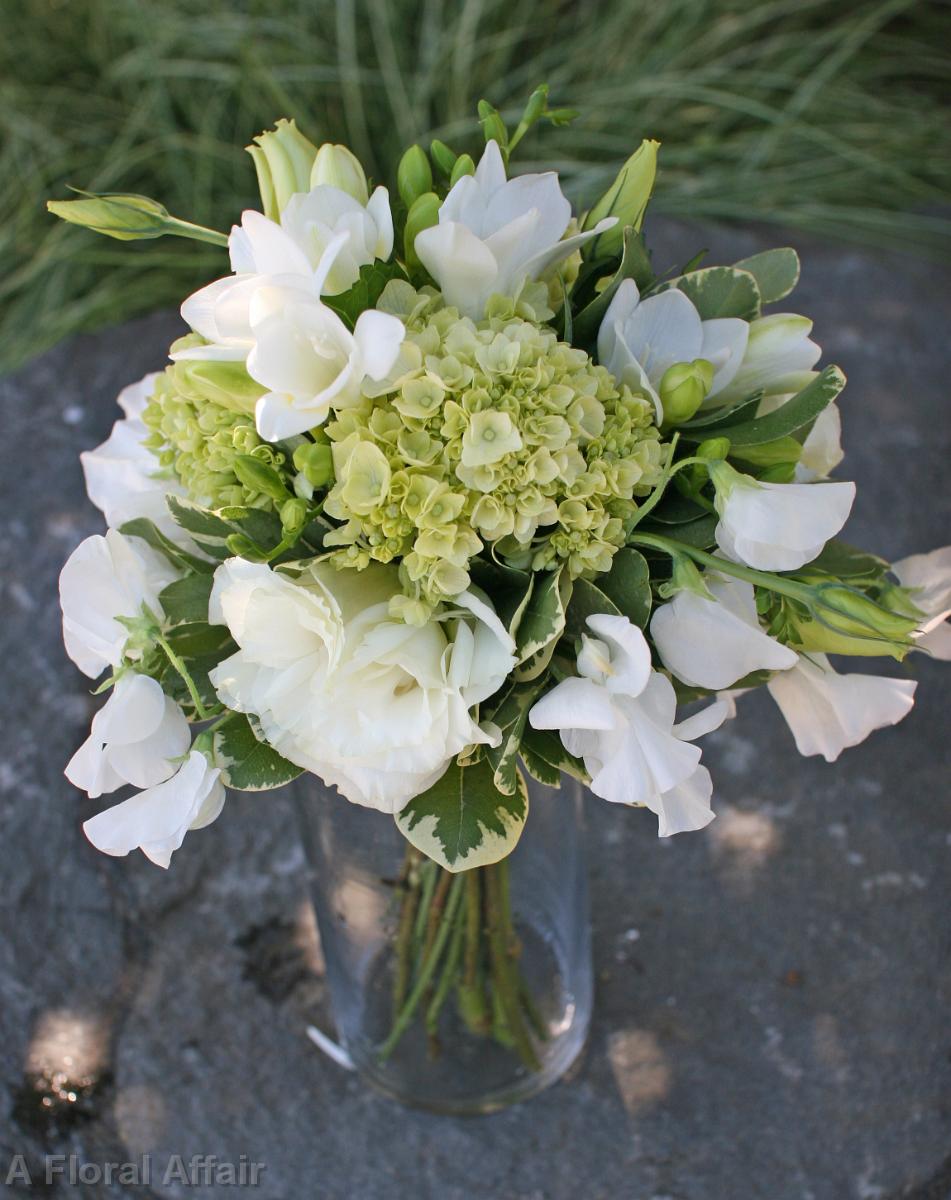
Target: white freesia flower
{"type": "Point", "coordinates": [779, 357]}
{"type": "Point", "coordinates": [104, 578]}
{"type": "Point", "coordinates": [828, 712]}
{"type": "Point", "coordinates": [155, 821]}
{"type": "Point", "coordinates": [640, 339]}
{"type": "Point", "coordinates": [776, 526]}
{"type": "Point", "coordinates": [124, 479]}
{"type": "Point", "coordinates": [822, 450]}
{"type": "Point", "coordinates": [930, 577]}
{"type": "Point", "coordinates": [135, 738]}
{"type": "Point", "coordinates": [713, 643]}
{"type": "Point", "coordinates": [311, 362]}
{"type": "Point", "coordinates": [375, 707]}
{"type": "Point", "coordinates": [494, 234]}
{"type": "Point", "coordinates": [312, 221]}
{"type": "Point", "coordinates": [618, 716]}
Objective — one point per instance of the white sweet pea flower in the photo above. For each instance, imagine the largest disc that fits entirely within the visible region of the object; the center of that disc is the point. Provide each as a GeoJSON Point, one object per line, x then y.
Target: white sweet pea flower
{"type": "Point", "coordinates": [640, 339]}
{"type": "Point", "coordinates": [822, 450]}
{"type": "Point", "coordinates": [124, 479]}
{"type": "Point", "coordinates": [618, 716]}
{"type": "Point", "coordinates": [779, 358]}
{"type": "Point", "coordinates": [155, 821]}
{"type": "Point", "coordinates": [828, 712]}
{"type": "Point", "coordinates": [104, 578]}
{"type": "Point", "coordinates": [929, 575]}
{"type": "Point", "coordinates": [495, 234]}
{"type": "Point", "coordinates": [135, 738]}
{"type": "Point", "coordinates": [311, 362]}
{"type": "Point", "coordinates": [373, 706]}
{"type": "Point", "coordinates": [776, 526]}
{"type": "Point", "coordinates": [711, 643]}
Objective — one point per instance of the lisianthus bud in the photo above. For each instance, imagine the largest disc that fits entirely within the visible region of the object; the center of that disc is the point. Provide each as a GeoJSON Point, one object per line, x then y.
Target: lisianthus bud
{"type": "Point", "coordinates": [314, 460]}
{"type": "Point", "coordinates": [625, 199]}
{"type": "Point", "coordinates": [127, 218]}
{"type": "Point", "coordinates": [683, 388]}
{"type": "Point", "coordinates": [340, 168]}
{"type": "Point", "coordinates": [423, 214]}
{"type": "Point", "coordinates": [414, 176]}
{"type": "Point", "coordinates": [283, 160]}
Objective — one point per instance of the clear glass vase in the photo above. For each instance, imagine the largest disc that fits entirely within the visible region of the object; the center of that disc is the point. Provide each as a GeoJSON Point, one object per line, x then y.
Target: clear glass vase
{"type": "Point", "coordinates": [458, 993]}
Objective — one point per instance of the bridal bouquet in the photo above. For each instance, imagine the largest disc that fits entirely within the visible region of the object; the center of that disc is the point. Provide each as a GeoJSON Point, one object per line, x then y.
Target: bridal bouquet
{"type": "Point", "coordinates": [448, 486]}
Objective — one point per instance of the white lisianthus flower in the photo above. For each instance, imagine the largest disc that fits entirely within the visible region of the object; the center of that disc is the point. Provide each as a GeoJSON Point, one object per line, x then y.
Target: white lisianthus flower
{"type": "Point", "coordinates": [495, 234]}
{"type": "Point", "coordinates": [828, 712]}
{"type": "Point", "coordinates": [124, 479]}
{"type": "Point", "coordinates": [711, 643]}
{"type": "Point", "coordinates": [822, 450]}
{"type": "Point", "coordinates": [779, 358]}
{"type": "Point", "coordinates": [104, 578]}
{"type": "Point", "coordinates": [311, 362]}
{"type": "Point", "coordinates": [776, 526]}
{"type": "Point", "coordinates": [155, 821]}
{"type": "Point", "coordinates": [929, 575]}
{"type": "Point", "coordinates": [135, 738]}
{"type": "Point", "coordinates": [375, 707]}
{"type": "Point", "coordinates": [618, 716]}
{"type": "Point", "coordinates": [640, 339]}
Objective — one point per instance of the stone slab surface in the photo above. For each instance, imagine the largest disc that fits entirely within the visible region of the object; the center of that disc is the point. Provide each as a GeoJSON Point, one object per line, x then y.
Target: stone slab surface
{"type": "Point", "coordinates": [773, 994]}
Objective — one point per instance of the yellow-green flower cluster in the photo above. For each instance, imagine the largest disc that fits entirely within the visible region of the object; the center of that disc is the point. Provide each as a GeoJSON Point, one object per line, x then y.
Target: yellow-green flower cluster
{"type": "Point", "coordinates": [495, 434]}
{"type": "Point", "coordinates": [200, 418]}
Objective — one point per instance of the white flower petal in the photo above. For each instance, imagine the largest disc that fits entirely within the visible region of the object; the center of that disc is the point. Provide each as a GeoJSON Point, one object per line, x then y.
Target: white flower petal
{"type": "Point", "coordinates": [723, 345]}
{"type": "Point", "coordinates": [574, 704]}
{"type": "Point", "coordinates": [378, 337]}
{"type": "Point", "coordinates": [462, 265]}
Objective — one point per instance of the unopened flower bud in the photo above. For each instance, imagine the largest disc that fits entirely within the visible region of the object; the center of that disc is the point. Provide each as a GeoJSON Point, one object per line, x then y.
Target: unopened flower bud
{"type": "Point", "coordinates": [283, 160]}
{"type": "Point", "coordinates": [259, 477]}
{"type": "Point", "coordinates": [683, 388]}
{"type": "Point", "coordinates": [714, 449]}
{"type": "Point", "coordinates": [442, 156]}
{"type": "Point", "coordinates": [423, 214]}
{"type": "Point", "coordinates": [492, 125]}
{"type": "Point", "coordinates": [339, 167]}
{"type": "Point", "coordinates": [464, 166]}
{"type": "Point", "coordinates": [844, 620]}
{"type": "Point", "coordinates": [625, 199]}
{"type": "Point", "coordinates": [314, 460]}
{"type": "Point", "coordinates": [414, 176]}
{"type": "Point", "coordinates": [293, 515]}
{"type": "Point", "coordinates": [127, 218]}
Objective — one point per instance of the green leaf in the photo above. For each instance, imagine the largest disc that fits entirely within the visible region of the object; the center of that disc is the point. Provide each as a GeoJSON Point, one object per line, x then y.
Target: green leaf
{"type": "Point", "coordinates": [636, 265]}
{"type": "Point", "coordinates": [628, 585]}
{"type": "Point", "coordinates": [211, 530]}
{"type": "Point", "coordinates": [796, 413]}
{"type": "Point", "coordinates": [721, 292]}
{"type": "Point", "coordinates": [247, 764]}
{"type": "Point", "coordinates": [699, 532]}
{"type": "Point", "coordinates": [847, 562]}
{"type": "Point", "coordinates": [198, 639]}
{"type": "Point", "coordinates": [142, 528]}
{"type": "Point", "coordinates": [463, 820]}
{"type": "Point", "coordinates": [707, 421]}
{"type": "Point", "coordinates": [187, 599]}
{"type": "Point", "coordinates": [676, 509]}
{"type": "Point", "coordinates": [776, 272]}
{"type": "Point", "coordinates": [510, 715]}
{"type": "Point", "coordinates": [587, 598]}
{"type": "Point", "coordinates": [542, 624]}
{"type": "Point", "coordinates": [546, 758]}
{"type": "Point", "coordinates": [509, 589]}
{"type": "Point", "coordinates": [365, 292]}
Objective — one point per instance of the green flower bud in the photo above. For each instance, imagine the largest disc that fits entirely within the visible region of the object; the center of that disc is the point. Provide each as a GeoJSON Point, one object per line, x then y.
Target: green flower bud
{"type": "Point", "coordinates": [683, 388]}
{"type": "Point", "coordinates": [423, 214]}
{"type": "Point", "coordinates": [464, 166]}
{"type": "Point", "coordinates": [243, 547]}
{"type": "Point", "coordinates": [844, 620]}
{"type": "Point", "coordinates": [339, 167]}
{"type": "Point", "coordinates": [414, 176]}
{"type": "Point", "coordinates": [625, 199]}
{"type": "Point", "coordinates": [715, 449]}
{"type": "Point", "coordinates": [315, 462]}
{"type": "Point", "coordinates": [784, 451]}
{"type": "Point", "coordinates": [293, 515]}
{"type": "Point", "coordinates": [442, 156]}
{"type": "Point", "coordinates": [258, 476]}
{"type": "Point", "coordinates": [492, 125]}
{"type": "Point", "coordinates": [283, 160]}
{"type": "Point", "coordinates": [129, 218]}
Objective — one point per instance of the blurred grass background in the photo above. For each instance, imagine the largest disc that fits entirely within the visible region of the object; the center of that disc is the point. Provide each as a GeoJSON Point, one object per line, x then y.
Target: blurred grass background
{"type": "Point", "coordinates": [825, 115]}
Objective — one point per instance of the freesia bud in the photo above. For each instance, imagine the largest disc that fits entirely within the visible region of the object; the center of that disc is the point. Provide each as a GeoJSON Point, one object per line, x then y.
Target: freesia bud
{"type": "Point", "coordinates": [339, 167]}
{"type": "Point", "coordinates": [314, 460]}
{"type": "Point", "coordinates": [492, 125]}
{"type": "Point", "coordinates": [683, 388]}
{"type": "Point", "coordinates": [414, 176]}
{"type": "Point", "coordinates": [283, 159]}
{"type": "Point", "coordinates": [464, 166]}
{"type": "Point", "coordinates": [423, 215]}
{"type": "Point", "coordinates": [442, 156]}
{"type": "Point", "coordinates": [625, 199]}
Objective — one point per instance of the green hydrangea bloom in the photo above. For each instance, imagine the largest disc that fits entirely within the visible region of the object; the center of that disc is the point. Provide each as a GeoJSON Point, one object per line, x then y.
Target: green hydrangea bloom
{"type": "Point", "coordinates": [200, 418]}
{"type": "Point", "coordinates": [494, 435]}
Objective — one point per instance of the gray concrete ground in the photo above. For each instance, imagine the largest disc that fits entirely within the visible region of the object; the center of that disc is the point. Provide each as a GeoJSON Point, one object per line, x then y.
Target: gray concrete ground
{"type": "Point", "coordinates": [773, 994]}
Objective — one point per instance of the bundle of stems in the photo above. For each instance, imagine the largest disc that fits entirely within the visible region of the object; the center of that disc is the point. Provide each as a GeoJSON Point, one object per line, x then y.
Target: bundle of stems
{"type": "Point", "coordinates": [456, 941]}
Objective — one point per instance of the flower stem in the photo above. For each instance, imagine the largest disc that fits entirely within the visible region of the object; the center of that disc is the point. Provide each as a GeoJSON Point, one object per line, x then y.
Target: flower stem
{"type": "Point", "coordinates": [183, 671]}
{"type": "Point", "coordinates": [504, 977]}
{"type": "Point", "coordinates": [409, 883]}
